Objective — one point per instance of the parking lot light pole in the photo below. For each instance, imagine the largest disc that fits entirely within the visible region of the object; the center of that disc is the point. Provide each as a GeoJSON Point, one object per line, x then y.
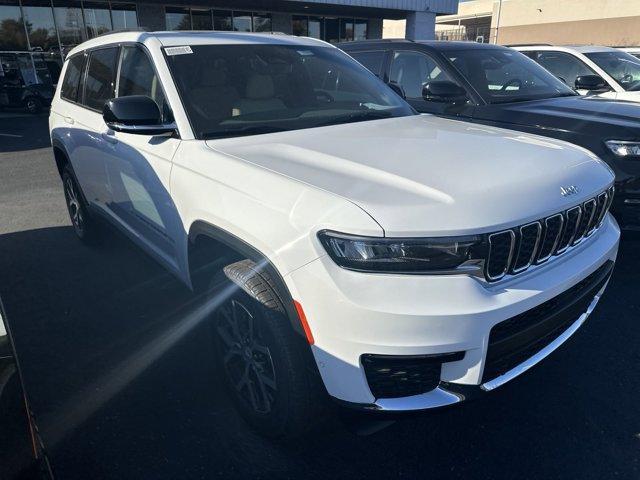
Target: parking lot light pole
{"type": "Point", "coordinates": [498, 22]}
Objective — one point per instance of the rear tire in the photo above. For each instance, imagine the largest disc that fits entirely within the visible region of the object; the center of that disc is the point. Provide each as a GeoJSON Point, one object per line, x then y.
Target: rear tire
{"type": "Point", "coordinates": [264, 362]}
{"type": "Point", "coordinates": [83, 224]}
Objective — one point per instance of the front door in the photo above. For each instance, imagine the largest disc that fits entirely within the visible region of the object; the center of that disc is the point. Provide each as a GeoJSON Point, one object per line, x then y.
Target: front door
{"type": "Point", "coordinates": [412, 70]}
{"type": "Point", "coordinates": [140, 167]}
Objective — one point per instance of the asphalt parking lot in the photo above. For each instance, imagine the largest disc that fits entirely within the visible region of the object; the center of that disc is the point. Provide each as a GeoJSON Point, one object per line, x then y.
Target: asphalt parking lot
{"type": "Point", "coordinates": [122, 390]}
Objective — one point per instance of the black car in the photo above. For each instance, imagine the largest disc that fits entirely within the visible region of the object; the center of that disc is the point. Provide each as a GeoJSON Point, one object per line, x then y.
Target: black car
{"type": "Point", "coordinates": [498, 86]}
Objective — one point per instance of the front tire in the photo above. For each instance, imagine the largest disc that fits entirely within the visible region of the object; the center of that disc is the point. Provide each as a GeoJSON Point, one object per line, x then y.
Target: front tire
{"type": "Point", "coordinates": [83, 224]}
{"type": "Point", "coordinates": [264, 362]}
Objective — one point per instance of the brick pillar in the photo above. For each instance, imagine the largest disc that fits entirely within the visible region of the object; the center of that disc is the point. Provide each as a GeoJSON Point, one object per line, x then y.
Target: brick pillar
{"type": "Point", "coordinates": [421, 26]}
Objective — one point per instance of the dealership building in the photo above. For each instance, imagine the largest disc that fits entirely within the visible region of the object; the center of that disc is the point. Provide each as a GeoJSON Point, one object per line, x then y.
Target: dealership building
{"type": "Point", "coordinates": [583, 22]}
{"type": "Point", "coordinates": [55, 26]}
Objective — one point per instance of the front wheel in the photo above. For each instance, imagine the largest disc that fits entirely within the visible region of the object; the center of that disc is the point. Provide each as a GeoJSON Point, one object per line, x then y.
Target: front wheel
{"type": "Point", "coordinates": [263, 359]}
{"type": "Point", "coordinates": [83, 225]}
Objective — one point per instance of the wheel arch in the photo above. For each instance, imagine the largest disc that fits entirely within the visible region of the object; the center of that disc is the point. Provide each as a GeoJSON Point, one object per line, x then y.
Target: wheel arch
{"type": "Point", "coordinates": [200, 229]}
{"type": "Point", "coordinates": [60, 155]}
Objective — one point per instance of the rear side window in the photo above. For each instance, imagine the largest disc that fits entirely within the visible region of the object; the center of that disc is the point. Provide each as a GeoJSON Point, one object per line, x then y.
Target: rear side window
{"type": "Point", "coordinates": [72, 77]}
{"type": "Point", "coordinates": [137, 77]}
{"type": "Point", "coordinates": [372, 60]}
{"type": "Point", "coordinates": [101, 77]}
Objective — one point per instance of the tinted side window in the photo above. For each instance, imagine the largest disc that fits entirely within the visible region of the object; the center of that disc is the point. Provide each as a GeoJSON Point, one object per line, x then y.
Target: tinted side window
{"type": "Point", "coordinates": [412, 70]}
{"type": "Point", "coordinates": [72, 77]}
{"type": "Point", "coordinates": [564, 65]}
{"type": "Point", "coordinates": [101, 77]}
{"type": "Point", "coordinates": [372, 60]}
{"type": "Point", "coordinates": [137, 77]}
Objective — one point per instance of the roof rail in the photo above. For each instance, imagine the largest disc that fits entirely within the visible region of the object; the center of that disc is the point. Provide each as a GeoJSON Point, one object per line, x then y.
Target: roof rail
{"type": "Point", "coordinates": [378, 40]}
{"type": "Point", "coordinates": [529, 45]}
{"type": "Point", "coordinates": [123, 30]}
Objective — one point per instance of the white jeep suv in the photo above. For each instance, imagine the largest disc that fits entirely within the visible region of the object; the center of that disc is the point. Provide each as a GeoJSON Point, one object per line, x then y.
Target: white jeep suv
{"type": "Point", "coordinates": [397, 261]}
{"type": "Point", "coordinates": [590, 69]}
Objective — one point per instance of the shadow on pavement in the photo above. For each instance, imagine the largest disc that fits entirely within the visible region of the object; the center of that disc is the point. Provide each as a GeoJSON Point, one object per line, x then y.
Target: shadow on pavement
{"type": "Point", "coordinates": [82, 316]}
{"type": "Point", "coordinates": [19, 132]}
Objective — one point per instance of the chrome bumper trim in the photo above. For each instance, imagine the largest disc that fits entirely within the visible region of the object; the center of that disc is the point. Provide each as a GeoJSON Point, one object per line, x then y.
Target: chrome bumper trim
{"type": "Point", "coordinates": [442, 397]}
{"type": "Point", "coordinates": [438, 397]}
{"type": "Point", "coordinates": [545, 352]}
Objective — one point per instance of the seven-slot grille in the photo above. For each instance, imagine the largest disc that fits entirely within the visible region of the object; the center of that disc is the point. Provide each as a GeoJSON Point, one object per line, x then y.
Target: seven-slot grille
{"type": "Point", "coordinates": [513, 251]}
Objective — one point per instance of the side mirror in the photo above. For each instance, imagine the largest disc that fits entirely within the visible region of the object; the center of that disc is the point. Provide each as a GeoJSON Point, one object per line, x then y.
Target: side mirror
{"type": "Point", "coordinates": [396, 87]}
{"type": "Point", "coordinates": [444, 92]}
{"type": "Point", "coordinates": [591, 82]}
{"type": "Point", "coordinates": [136, 114]}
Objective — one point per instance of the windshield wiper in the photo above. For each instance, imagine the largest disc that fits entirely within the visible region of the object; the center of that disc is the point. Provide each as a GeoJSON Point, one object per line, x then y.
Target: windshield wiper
{"type": "Point", "coordinates": [356, 117]}
{"type": "Point", "coordinates": [244, 131]}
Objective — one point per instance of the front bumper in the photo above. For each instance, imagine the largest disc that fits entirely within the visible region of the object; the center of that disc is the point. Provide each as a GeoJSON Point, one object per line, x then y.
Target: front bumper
{"type": "Point", "coordinates": [353, 314]}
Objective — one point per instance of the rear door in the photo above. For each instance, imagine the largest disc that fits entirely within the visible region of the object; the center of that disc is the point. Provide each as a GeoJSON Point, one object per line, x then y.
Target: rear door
{"type": "Point", "coordinates": [90, 149]}
{"type": "Point", "coordinates": [373, 60]}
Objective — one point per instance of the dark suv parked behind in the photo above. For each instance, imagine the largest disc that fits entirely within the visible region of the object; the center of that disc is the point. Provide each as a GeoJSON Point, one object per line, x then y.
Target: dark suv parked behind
{"type": "Point", "coordinates": [499, 86]}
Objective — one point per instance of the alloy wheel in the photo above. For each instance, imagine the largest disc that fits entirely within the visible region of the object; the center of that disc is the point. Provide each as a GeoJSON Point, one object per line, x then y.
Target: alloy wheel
{"type": "Point", "coordinates": [246, 359]}
{"type": "Point", "coordinates": [74, 206]}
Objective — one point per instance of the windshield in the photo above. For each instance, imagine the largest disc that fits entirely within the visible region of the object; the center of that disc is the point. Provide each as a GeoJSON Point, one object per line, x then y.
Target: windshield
{"type": "Point", "coordinates": [231, 90]}
{"type": "Point", "coordinates": [502, 76]}
{"type": "Point", "coordinates": [623, 67]}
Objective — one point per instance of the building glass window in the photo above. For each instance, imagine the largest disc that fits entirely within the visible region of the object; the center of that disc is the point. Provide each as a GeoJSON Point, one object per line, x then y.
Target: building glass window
{"type": "Point", "coordinates": [359, 29]}
{"type": "Point", "coordinates": [124, 16]}
{"type": "Point", "coordinates": [68, 15]}
{"type": "Point", "coordinates": [201, 19]}
{"type": "Point", "coordinates": [315, 27]}
{"type": "Point", "coordinates": [38, 18]}
{"type": "Point", "coordinates": [346, 30]}
{"type": "Point", "coordinates": [12, 34]}
{"type": "Point", "coordinates": [332, 30]}
{"type": "Point", "coordinates": [178, 19]}
{"type": "Point", "coordinates": [300, 26]}
{"type": "Point", "coordinates": [242, 21]}
{"type": "Point", "coordinates": [261, 22]}
{"type": "Point", "coordinates": [97, 18]}
{"type": "Point", "coordinates": [222, 20]}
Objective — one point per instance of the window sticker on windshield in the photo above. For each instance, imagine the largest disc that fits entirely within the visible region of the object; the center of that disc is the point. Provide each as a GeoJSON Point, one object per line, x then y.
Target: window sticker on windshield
{"type": "Point", "coordinates": [305, 52]}
{"type": "Point", "coordinates": [170, 51]}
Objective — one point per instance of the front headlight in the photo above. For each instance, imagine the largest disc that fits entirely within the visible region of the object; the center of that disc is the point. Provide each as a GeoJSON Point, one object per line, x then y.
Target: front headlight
{"type": "Point", "coordinates": [623, 148]}
{"type": "Point", "coordinates": [398, 255]}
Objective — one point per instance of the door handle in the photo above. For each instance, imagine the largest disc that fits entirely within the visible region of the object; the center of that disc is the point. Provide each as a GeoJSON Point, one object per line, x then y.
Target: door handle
{"type": "Point", "coordinates": [69, 120]}
{"type": "Point", "coordinates": [108, 136]}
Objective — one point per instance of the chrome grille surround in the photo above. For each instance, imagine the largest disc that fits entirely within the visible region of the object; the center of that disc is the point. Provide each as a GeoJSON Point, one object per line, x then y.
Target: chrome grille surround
{"type": "Point", "coordinates": [488, 268]}
{"type": "Point", "coordinates": [517, 268]}
{"type": "Point", "coordinates": [576, 224]}
{"type": "Point", "coordinates": [570, 228]}
{"type": "Point", "coordinates": [551, 240]}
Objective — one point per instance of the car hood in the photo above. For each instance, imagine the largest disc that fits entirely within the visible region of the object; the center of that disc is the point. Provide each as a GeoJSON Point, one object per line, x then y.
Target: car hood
{"type": "Point", "coordinates": [422, 174]}
{"type": "Point", "coordinates": [587, 115]}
